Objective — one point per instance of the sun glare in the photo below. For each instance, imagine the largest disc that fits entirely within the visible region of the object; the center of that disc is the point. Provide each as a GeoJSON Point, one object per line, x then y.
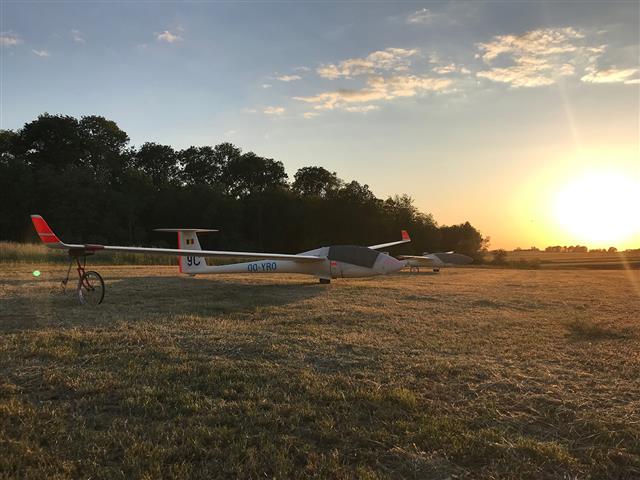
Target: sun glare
{"type": "Point", "coordinates": [599, 208]}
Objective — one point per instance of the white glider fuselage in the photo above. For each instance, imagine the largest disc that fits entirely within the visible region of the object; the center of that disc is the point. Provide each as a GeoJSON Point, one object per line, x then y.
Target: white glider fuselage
{"type": "Point", "coordinates": [342, 261]}
{"type": "Point", "coordinates": [436, 260]}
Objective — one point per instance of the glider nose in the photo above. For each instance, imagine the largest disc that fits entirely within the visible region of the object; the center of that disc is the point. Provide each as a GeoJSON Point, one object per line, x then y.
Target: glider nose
{"type": "Point", "coordinates": [398, 264]}
{"type": "Point", "coordinates": [392, 265]}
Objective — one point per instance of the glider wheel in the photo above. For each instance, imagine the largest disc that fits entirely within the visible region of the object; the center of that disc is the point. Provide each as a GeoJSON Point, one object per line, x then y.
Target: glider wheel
{"type": "Point", "coordinates": [91, 288]}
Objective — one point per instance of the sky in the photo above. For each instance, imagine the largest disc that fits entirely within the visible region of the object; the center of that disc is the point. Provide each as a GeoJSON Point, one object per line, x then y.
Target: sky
{"type": "Point", "coordinates": [520, 117]}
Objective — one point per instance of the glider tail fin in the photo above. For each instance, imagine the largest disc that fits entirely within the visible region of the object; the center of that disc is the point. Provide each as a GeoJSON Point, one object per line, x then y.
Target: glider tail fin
{"type": "Point", "coordinates": [188, 240]}
{"type": "Point", "coordinates": [45, 233]}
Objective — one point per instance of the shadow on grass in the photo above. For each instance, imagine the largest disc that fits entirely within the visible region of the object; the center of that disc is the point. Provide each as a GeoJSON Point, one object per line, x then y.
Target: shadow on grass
{"type": "Point", "coordinates": [420, 273]}
{"type": "Point", "coordinates": [588, 330]}
{"type": "Point", "coordinates": [151, 297]}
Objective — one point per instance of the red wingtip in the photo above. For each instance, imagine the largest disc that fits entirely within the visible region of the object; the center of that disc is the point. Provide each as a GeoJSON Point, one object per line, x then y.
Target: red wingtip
{"type": "Point", "coordinates": [44, 231]}
{"type": "Point", "coordinates": [405, 235]}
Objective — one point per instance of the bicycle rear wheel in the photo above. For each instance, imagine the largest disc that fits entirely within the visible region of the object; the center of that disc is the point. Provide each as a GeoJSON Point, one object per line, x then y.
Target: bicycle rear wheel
{"type": "Point", "coordinates": [91, 288]}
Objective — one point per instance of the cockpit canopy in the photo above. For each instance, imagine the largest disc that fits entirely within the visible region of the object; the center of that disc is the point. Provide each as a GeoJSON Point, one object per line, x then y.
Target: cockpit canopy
{"type": "Point", "coordinates": [353, 254]}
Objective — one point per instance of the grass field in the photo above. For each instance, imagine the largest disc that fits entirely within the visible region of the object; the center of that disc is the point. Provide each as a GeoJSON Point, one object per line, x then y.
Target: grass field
{"type": "Point", "coordinates": [566, 260]}
{"type": "Point", "coordinates": [472, 373]}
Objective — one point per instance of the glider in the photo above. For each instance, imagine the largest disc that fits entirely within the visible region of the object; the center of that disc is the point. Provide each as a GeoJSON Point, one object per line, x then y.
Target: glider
{"type": "Point", "coordinates": [325, 263]}
{"type": "Point", "coordinates": [435, 260]}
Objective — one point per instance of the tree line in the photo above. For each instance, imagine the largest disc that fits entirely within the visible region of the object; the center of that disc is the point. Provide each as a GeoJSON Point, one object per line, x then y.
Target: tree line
{"type": "Point", "coordinates": [92, 186]}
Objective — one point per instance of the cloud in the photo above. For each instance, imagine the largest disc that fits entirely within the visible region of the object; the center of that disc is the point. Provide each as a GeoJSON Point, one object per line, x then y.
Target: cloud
{"type": "Point", "coordinates": [537, 57]}
{"type": "Point", "coordinates": [273, 110]}
{"type": "Point", "coordinates": [302, 69]}
{"type": "Point", "coordinates": [309, 115]}
{"type": "Point", "coordinates": [443, 68]}
{"type": "Point", "coordinates": [77, 36]}
{"type": "Point", "coordinates": [168, 37]}
{"type": "Point", "coordinates": [533, 44]}
{"type": "Point", "coordinates": [41, 53]}
{"type": "Point", "coordinates": [9, 39]}
{"type": "Point", "coordinates": [362, 108]}
{"type": "Point", "coordinates": [451, 68]}
{"type": "Point", "coordinates": [518, 76]}
{"type": "Point", "coordinates": [266, 85]}
{"type": "Point", "coordinates": [390, 59]}
{"type": "Point", "coordinates": [378, 88]}
{"type": "Point", "coordinates": [634, 81]}
{"type": "Point", "coordinates": [611, 75]}
{"type": "Point", "coordinates": [289, 78]}
{"type": "Point", "coordinates": [421, 16]}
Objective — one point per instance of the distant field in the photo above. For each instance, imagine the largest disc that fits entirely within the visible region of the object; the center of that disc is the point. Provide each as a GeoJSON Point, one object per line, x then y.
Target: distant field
{"type": "Point", "coordinates": [472, 373]}
{"type": "Point", "coordinates": [570, 260]}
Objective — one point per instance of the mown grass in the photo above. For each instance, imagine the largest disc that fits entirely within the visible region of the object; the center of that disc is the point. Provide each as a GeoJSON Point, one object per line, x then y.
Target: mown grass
{"type": "Point", "coordinates": [466, 374]}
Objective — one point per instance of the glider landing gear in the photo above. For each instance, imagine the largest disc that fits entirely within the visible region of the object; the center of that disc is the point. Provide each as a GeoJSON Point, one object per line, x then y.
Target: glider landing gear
{"type": "Point", "coordinates": [90, 284]}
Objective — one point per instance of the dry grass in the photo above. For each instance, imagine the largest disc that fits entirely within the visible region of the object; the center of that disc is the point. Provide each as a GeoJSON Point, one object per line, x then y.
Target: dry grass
{"type": "Point", "coordinates": [590, 260]}
{"type": "Point", "coordinates": [467, 374]}
{"type": "Point", "coordinates": [38, 253]}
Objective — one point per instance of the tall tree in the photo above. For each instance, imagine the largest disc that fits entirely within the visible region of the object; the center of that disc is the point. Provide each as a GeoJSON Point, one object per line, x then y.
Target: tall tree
{"type": "Point", "coordinates": [104, 147]}
{"type": "Point", "coordinates": [315, 182]}
{"type": "Point", "coordinates": [249, 174]}
{"type": "Point", "coordinates": [200, 166]}
{"type": "Point", "coordinates": [462, 238]}
{"type": "Point", "coordinates": [206, 165]}
{"type": "Point", "coordinates": [51, 140]}
{"type": "Point", "coordinates": [160, 162]}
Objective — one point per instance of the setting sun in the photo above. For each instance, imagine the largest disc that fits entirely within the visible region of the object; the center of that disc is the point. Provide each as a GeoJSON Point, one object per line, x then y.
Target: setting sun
{"type": "Point", "coordinates": [596, 207]}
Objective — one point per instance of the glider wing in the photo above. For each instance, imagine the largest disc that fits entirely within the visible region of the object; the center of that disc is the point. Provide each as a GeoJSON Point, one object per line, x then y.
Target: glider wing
{"type": "Point", "coordinates": [52, 241]}
{"type": "Point", "coordinates": [425, 260]}
{"type": "Point", "coordinates": [405, 239]}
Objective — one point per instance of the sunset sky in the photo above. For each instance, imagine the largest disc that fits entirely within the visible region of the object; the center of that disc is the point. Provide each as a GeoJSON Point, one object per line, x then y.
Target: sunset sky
{"type": "Point", "coordinates": [522, 118]}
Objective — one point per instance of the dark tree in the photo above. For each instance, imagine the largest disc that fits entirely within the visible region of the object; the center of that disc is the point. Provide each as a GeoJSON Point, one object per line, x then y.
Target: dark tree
{"type": "Point", "coordinates": [315, 182]}
{"type": "Point", "coordinates": [51, 141]}
{"type": "Point", "coordinates": [463, 238]}
{"type": "Point", "coordinates": [354, 191]}
{"type": "Point", "coordinates": [104, 147]}
{"type": "Point", "coordinates": [206, 165]}
{"type": "Point", "coordinates": [249, 174]}
{"type": "Point", "coordinates": [159, 162]}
